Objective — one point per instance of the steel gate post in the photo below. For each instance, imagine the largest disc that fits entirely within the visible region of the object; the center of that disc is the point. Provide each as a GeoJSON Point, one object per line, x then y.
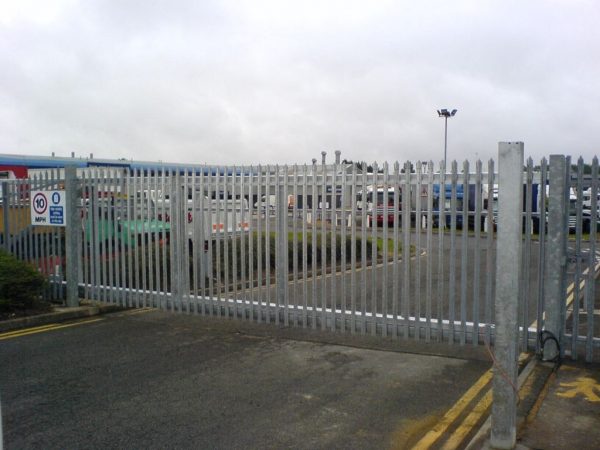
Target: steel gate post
{"type": "Point", "coordinates": [176, 237]}
{"type": "Point", "coordinates": [556, 258]}
{"type": "Point", "coordinates": [5, 215]}
{"type": "Point", "coordinates": [508, 268]}
{"type": "Point", "coordinates": [280, 247]}
{"type": "Point", "coordinates": [73, 235]}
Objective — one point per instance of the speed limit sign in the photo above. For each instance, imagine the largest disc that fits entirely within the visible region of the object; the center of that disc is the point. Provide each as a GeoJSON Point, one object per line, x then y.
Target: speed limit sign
{"type": "Point", "coordinates": [39, 203]}
{"type": "Point", "coordinates": [48, 208]}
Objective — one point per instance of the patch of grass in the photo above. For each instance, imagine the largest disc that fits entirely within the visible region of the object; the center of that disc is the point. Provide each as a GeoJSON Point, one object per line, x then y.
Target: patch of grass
{"type": "Point", "coordinates": [319, 248]}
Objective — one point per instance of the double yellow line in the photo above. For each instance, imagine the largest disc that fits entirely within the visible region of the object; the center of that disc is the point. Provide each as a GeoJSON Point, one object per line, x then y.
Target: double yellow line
{"type": "Point", "coordinates": [56, 326]}
{"type": "Point", "coordinates": [473, 418]}
{"type": "Point", "coordinates": [454, 413]}
{"type": "Point", "coordinates": [44, 328]}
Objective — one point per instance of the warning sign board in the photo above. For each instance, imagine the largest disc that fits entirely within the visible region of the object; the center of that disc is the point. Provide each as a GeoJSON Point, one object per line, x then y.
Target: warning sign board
{"type": "Point", "coordinates": [48, 208]}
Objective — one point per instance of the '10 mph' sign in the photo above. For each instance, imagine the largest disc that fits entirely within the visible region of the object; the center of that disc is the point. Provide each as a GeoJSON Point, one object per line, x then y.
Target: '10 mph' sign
{"type": "Point", "coordinates": [48, 208]}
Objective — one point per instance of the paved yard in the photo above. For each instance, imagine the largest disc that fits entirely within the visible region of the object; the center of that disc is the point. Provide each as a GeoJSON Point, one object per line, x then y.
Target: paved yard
{"type": "Point", "coordinates": [158, 380]}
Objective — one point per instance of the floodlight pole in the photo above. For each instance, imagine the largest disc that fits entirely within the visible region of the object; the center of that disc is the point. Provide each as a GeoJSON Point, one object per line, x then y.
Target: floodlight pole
{"type": "Point", "coordinates": [445, 140]}
{"type": "Point", "coordinates": [445, 114]}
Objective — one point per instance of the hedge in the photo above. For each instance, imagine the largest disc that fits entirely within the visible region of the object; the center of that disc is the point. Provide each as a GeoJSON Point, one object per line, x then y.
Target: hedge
{"type": "Point", "coordinates": [21, 286]}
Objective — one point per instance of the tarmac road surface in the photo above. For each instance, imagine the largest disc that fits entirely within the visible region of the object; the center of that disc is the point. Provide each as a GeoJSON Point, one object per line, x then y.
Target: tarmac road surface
{"type": "Point", "coordinates": [149, 379]}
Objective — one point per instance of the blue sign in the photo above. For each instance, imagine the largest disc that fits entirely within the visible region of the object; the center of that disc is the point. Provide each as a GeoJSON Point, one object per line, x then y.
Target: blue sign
{"type": "Point", "coordinates": [57, 216]}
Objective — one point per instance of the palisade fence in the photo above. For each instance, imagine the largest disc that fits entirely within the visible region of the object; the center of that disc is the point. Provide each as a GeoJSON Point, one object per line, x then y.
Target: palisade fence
{"type": "Point", "coordinates": [404, 250]}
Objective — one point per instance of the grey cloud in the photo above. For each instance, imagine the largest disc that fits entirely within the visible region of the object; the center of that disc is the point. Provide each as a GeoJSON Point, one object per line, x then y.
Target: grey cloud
{"type": "Point", "coordinates": [222, 83]}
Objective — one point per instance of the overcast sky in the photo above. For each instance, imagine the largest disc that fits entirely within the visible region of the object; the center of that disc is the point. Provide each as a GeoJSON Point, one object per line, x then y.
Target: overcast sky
{"type": "Point", "coordinates": [272, 81]}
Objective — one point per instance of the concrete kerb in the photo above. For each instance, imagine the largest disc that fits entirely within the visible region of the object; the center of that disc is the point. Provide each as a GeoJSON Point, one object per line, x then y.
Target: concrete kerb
{"type": "Point", "coordinates": [366, 341]}
{"type": "Point", "coordinates": [60, 314]}
{"type": "Point", "coordinates": [89, 308]}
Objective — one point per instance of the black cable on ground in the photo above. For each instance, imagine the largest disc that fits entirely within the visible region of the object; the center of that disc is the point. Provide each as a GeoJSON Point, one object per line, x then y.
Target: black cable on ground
{"type": "Point", "coordinates": [543, 337]}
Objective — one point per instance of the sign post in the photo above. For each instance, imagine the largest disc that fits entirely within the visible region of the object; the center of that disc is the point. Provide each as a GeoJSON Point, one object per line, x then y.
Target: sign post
{"type": "Point", "coordinates": [58, 208]}
{"type": "Point", "coordinates": [71, 219]}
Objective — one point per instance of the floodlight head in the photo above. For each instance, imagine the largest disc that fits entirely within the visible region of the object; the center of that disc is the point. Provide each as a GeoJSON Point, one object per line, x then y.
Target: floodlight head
{"type": "Point", "coordinates": [445, 113]}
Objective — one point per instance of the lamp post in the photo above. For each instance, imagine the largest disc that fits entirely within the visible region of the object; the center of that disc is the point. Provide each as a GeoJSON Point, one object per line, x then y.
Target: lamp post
{"type": "Point", "coordinates": [445, 114]}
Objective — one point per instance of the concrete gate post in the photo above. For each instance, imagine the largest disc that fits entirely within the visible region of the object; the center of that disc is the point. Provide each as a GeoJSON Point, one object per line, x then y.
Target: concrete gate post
{"type": "Point", "coordinates": [73, 236]}
{"type": "Point", "coordinates": [176, 242]}
{"type": "Point", "coordinates": [280, 246]}
{"type": "Point", "coordinates": [508, 268]}
{"type": "Point", "coordinates": [556, 258]}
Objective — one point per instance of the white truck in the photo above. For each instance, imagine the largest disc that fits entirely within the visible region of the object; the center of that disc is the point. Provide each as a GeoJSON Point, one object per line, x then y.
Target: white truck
{"type": "Point", "coordinates": [266, 202]}
{"type": "Point", "coordinates": [270, 202]}
{"type": "Point", "coordinates": [219, 216]}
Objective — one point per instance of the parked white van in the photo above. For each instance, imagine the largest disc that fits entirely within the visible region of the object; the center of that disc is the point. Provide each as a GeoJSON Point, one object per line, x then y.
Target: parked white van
{"type": "Point", "coordinates": [266, 201]}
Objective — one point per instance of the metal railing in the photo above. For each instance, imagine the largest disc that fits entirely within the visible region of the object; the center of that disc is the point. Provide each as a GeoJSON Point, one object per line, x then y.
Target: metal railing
{"type": "Point", "coordinates": [392, 252]}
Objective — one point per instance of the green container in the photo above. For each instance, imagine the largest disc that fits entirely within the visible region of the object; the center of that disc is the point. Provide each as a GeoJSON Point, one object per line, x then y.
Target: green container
{"type": "Point", "coordinates": [130, 232]}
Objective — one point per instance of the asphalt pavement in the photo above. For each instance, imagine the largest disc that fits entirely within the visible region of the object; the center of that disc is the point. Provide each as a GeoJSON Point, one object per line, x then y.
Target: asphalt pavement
{"type": "Point", "coordinates": [430, 281]}
{"type": "Point", "coordinates": [149, 379]}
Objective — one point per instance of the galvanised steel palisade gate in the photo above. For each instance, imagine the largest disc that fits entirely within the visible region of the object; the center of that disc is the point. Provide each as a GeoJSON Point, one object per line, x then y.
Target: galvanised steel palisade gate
{"type": "Point", "coordinates": [402, 251]}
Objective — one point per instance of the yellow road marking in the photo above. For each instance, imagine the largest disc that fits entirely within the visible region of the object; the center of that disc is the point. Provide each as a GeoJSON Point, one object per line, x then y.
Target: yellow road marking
{"type": "Point", "coordinates": [585, 386]}
{"type": "Point", "coordinates": [571, 289]}
{"type": "Point", "coordinates": [21, 330]}
{"type": "Point", "coordinates": [29, 331]}
{"type": "Point", "coordinates": [541, 397]}
{"type": "Point", "coordinates": [527, 385]}
{"type": "Point", "coordinates": [483, 405]}
{"type": "Point", "coordinates": [473, 418]}
{"type": "Point", "coordinates": [139, 311]}
{"type": "Point", "coordinates": [436, 432]}
{"type": "Point", "coordinates": [410, 431]}
{"type": "Point", "coordinates": [470, 421]}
